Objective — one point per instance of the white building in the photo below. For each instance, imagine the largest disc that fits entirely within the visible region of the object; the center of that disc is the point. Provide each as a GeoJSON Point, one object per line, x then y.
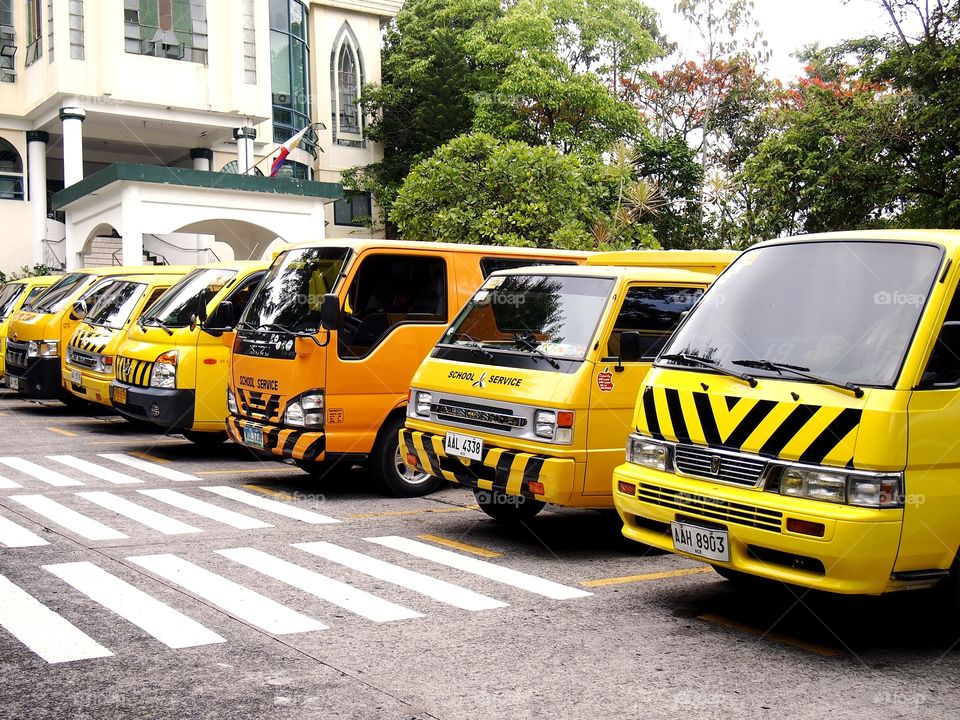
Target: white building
{"type": "Point", "coordinates": [147, 128]}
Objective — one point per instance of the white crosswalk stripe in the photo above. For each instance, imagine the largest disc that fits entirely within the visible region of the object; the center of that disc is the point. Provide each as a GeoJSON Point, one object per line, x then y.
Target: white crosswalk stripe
{"type": "Point", "coordinates": [172, 628]}
{"type": "Point", "coordinates": [485, 569]}
{"type": "Point", "coordinates": [6, 484]}
{"type": "Point", "coordinates": [144, 516]}
{"type": "Point", "coordinates": [149, 467]}
{"type": "Point", "coordinates": [43, 631]}
{"type": "Point", "coordinates": [205, 509]}
{"type": "Point", "coordinates": [333, 591]}
{"type": "Point", "coordinates": [50, 477]}
{"type": "Point", "coordinates": [242, 603]}
{"type": "Point", "coordinates": [440, 590]}
{"type": "Point", "coordinates": [273, 506]}
{"type": "Point", "coordinates": [67, 518]}
{"type": "Point", "coordinates": [97, 471]}
{"type": "Point", "coordinates": [14, 536]}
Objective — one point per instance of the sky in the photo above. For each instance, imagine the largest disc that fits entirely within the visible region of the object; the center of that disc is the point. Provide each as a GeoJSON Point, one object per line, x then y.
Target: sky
{"type": "Point", "coordinates": [787, 26]}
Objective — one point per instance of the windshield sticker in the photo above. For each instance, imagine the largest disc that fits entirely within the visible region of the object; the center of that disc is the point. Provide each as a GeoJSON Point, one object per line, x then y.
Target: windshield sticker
{"type": "Point", "coordinates": [605, 380]}
{"type": "Point", "coordinates": [493, 283]}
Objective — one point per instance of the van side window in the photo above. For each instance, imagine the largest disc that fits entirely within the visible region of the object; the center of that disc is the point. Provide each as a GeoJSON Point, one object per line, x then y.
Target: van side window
{"type": "Point", "coordinates": [943, 367]}
{"type": "Point", "coordinates": [490, 265]}
{"type": "Point", "coordinates": [654, 312]}
{"type": "Point", "coordinates": [241, 296]}
{"type": "Point", "coordinates": [154, 296]}
{"type": "Point", "coordinates": [390, 290]}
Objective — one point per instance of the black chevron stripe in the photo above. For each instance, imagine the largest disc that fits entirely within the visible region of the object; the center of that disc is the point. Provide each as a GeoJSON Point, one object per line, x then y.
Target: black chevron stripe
{"type": "Point", "coordinates": [788, 429]}
{"type": "Point", "coordinates": [650, 413]}
{"type": "Point", "coordinates": [749, 423]}
{"type": "Point", "coordinates": [831, 435]}
{"type": "Point", "coordinates": [676, 415]}
{"type": "Point", "coordinates": [708, 421]}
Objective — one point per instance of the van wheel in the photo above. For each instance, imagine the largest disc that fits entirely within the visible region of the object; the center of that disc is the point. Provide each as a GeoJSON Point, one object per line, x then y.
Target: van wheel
{"type": "Point", "coordinates": [205, 439]}
{"type": "Point", "coordinates": [735, 576]}
{"type": "Point", "coordinates": [389, 469]}
{"type": "Point", "coordinates": [949, 593]}
{"type": "Point", "coordinates": [508, 509]}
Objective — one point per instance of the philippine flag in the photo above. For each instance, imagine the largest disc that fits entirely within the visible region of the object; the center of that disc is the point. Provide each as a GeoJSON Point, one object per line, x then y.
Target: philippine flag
{"type": "Point", "coordinates": [285, 150]}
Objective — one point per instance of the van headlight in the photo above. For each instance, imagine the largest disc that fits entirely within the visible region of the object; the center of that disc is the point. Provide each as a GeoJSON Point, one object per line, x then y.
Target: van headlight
{"type": "Point", "coordinates": [232, 402]}
{"type": "Point", "coordinates": [164, 373]}
{"type": "Point", "coordinates": [43, 348]}
{"type": "Point", "coordinates": [646, 452]}
{"type": "Point", "coordinates": [554, 425]}
{"type": "Point", "coordinates": [307, 411]}
{"type": "Point", "coordinates": [859, 489]}
{"type": "Point", "coordinates": [422, 405]}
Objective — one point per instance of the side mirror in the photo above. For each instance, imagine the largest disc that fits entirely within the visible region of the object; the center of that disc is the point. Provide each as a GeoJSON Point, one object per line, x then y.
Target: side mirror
{"type": "Point", "coordinates": [630, 346]}
{"type": "Point", "coordinates": [221, 320]}
{"type": "Point", "coordinates": [330, 312]}
{"type": "Point", "coordinates": [943, 367]}
{"type": "Point", "coordinates": [80, 309]}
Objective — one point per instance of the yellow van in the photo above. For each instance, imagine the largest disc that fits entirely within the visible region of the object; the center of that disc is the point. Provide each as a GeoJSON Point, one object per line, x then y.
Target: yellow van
{"type": "Point", "coordinates": [171, 369]}
{"type": "Point", "coordinates": [38, 332]}
{"type": "Point", "coordinates": [89, 366]}
{"type": "Point", "coordinates": [528, 396]}
{"type": "Point", "coordinates": [801, 425]}
{"type": "Point", "coordinates": [15, 295]}
{"type": "Point", "coordinates": [316, 394]}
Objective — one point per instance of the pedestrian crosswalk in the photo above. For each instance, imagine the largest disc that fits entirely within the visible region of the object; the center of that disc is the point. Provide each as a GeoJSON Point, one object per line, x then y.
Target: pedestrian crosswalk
{"type": "Point", "coordinates": [205, 582]}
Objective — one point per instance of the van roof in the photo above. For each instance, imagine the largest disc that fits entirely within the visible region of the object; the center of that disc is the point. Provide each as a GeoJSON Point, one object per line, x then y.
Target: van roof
{"type": "Point", "coordinates": [109, 270]}
{"type": "Point", "coordinates": [659, 258]}
{"type": "Point", "coordinates": [950, 239]}
{"type": "Point", "coordinates": [637, 273]}
{"type": "Point", "coordinates": [360, 244]}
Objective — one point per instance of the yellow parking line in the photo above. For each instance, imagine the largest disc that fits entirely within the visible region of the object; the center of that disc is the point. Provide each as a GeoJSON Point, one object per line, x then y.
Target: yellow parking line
{"type": "Point", "coordinates": [482, 552]}
{"type": "Point", "coordinates": [645, 577]}
{"type": "Point", "coordinates": [292, 471]}
{"type": "Point", "coordinates": [148, 456]}
{"type": "Point", "coordinates": [396, 513]}
{"type": "Point", "coordinates": [61, 432]}
{"type": "Point", "coordinates": [776, 637]}
{"type": "Point", "coordinates": [128, 441]}
{"type": "Point", "coordinates": [270, 491]}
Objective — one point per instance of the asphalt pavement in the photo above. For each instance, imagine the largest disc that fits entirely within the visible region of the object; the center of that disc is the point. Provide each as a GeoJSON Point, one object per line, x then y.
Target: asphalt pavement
{"type": "Point", "coordinates": [144, 577]}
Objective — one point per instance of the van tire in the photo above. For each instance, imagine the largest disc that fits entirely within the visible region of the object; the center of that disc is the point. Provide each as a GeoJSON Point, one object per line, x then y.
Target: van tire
{"type": "Point", "coordinates": [737, 577]}
{"type": "Point", "coordinates": [205, 439]}
{"type": "Point", "coordinates": [507, 509]}
{"type": "Point", "coordinates": [387, 467]}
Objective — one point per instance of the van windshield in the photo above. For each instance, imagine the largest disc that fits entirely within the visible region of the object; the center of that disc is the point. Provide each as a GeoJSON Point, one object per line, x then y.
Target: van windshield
{"type": "Point", "coordinates": [8, 297]}
{"type": "Point", "coordinates": [551, 315]}
{"type": "Point", "coordinates": [841, 310]}
{"type": "Point", "coordinates": [291, 294]}
{"type": "Point", "coordinates": [114, 307]}
{"type": "Point", "coordinates": [179, 304]}
{"type": "Point", "coordinates": [59, 293]}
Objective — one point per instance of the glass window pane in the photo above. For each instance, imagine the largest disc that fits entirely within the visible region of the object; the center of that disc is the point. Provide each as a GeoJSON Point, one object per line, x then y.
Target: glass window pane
{"type": "Point", "coordinates": [278, 14]}
{"type": "Point", "coordinates": [280, 67]}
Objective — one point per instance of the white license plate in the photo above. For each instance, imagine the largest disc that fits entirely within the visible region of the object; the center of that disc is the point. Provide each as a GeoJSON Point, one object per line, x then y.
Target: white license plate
{"type": "Point", "coordinates": [704, 542]}
{"type": "Point", "coordinates": [13, 383]}
{"type": "Point", "coordinates": [465, 446]}
{"type": "Point", "coordinates": [253, 436]}
{"type": "Point", "coordinates": [76, 378]}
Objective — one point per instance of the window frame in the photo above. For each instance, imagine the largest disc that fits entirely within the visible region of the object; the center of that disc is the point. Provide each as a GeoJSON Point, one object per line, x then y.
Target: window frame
{"type": "Point", "coordinates": [645, 357]}
{"type": "Point", "coordinates": [346, 41]}
{"type": "Point", "coordinates": [16, 175]}
{"type": "Point", "coordinates": [352, 197]}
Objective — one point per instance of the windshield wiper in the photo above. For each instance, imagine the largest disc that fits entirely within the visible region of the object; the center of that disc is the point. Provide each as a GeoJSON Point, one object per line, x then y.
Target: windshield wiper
{"type": "Point", "coordinates": [474, 345]}
{"type": "Point", "coordinates": [154, 321]}
{"type": "Point", "coordinates": [802, 372]}
{"type": "Point", "coordinates": [696, 359]}
{"type": "Point", "coordinates": [532, 346]}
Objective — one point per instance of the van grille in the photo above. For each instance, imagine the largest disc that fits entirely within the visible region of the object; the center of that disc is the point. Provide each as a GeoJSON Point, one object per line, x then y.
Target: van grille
{"type": "Point", "coordinates": [257, 405]}
{"type": "Point", "coordinates": [710, 508]}
{"type": "Point", "coordinates": [478, 415]}
{"type": "Point", "coordinates": [16, 355]}
{"type": "Point", "coordinates": [80, 358]}
{"type": "Point", "coordinates": [702, 462]}
{"type": "Point", "coordinates": [133, 371]}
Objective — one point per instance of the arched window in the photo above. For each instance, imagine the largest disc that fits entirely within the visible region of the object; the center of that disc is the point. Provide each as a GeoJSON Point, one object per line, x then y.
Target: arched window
{"type": "Point", "coordinates": [347, 72]}
{"type": "Point", "coordinates": [11, 172]}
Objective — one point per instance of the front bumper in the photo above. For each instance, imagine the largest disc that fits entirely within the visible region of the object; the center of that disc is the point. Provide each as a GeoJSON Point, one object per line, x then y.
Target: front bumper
{"type": "Point", "coordinates": [309, 446]}
{"type": "Point", "coordinates": [506, 471]}
{"type": "Point", "coordinates": [856, 555]}
{"type": "Point", "coordinates": [170, 409]}
{"type": "Point", "coordinates": [92, 388]}
{"type": "Point", "coordinates": [39, 378]}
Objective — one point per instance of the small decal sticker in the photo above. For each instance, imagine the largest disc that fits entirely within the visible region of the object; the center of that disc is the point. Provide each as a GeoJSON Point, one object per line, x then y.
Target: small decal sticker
{"type": "Point", "coordinates": [335, 416]}
{"type": "Point", "coordinates": [605, 380]}
{"type": "Point", "coordinates": [479, 383]}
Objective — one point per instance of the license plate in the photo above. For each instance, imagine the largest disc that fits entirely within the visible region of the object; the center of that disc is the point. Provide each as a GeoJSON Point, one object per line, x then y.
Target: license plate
{"type": "Point", "coordinates": [118, 394]}
{"type": "Point", "coordinates": [253, 436]}
{"type": "Point", "coordinates": [76, 378]}
{"type": "Point", "coordinates": [465, 446]}
{"type": "Point", "coordinates": [13, 383]}
{"type": "Point", "coordinates": [700, 541]}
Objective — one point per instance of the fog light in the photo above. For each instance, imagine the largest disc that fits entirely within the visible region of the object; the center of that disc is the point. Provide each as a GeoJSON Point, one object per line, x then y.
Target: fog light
{"type": "Point", "coordinates": [627, 488]}
{"type": "Point", "coordinates": [155, 410]}
{"type": "Point", "coordinates": [805, 527]}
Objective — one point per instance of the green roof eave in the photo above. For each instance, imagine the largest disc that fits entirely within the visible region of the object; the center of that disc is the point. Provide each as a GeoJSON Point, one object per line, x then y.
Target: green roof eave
{"type": "Point", "coordinates": [185, 177]}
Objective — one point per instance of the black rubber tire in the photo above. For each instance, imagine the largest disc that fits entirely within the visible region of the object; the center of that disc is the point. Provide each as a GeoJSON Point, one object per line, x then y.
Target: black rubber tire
{"type": "Point", "coordinates": [314, 468]}
{"type": "Point", "coordinates": [79, 404]}
{"type": "Point", "coordinates": [385, 465]}
{"type": "Point", "coordinates": [507, 509]}
{"type": "Point", "coordinates": [205, 439]}
{"type": "Point", "coordinates": [737, 577]}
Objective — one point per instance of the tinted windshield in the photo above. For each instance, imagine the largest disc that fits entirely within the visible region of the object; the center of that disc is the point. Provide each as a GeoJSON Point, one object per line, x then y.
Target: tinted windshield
{"type": "Point", "coordinates": [845, 311]}
{"type": "Point", "coordinates": [292, 292]}
{"type": "Point", "coordinates": [114, 307]}
{"type": "Point", "coordinates": [183, 300]}
{"type": "Point", "coordinates": [8, 297]}
{"type": "Point", "coordinates": [59, 293]}
{"type": "Point", "coordinates": [554, 315]}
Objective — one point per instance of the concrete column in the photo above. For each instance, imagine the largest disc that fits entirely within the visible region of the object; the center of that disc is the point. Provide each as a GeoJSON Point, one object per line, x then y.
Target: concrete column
{"type": "Point", "coordinates": [245, 154]}
{"type": "Point", "coordinates": [74, 244]}
{"type": "Point", "coordinates": [202, 157]}
{"type": "Point", "coordinates": [72, 120]}
{"type": "Point", "coordinates": [37, 183]}
{"type": "Point", "coordinates": [131, 215]}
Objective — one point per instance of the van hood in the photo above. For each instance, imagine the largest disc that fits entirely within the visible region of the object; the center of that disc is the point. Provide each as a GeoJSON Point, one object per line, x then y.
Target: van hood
{"type": "Point", "coordinates": [779, 418]}
{"type": "Point", "coordinates": [92, 338]}
{"type": "Point", "coordinates": [27, 326]}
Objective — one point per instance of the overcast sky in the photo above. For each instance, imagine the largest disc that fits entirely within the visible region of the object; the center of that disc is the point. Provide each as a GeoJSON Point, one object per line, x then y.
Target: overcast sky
{"type": "Point", "coordinates": [787, 26]}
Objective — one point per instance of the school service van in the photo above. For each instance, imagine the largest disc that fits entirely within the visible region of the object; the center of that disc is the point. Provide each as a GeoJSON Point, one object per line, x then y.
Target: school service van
{"type": "Point", "coordinates": [527, 397]}
{"type": "Point", "coordinates": [38, 332]}
{"type": "Point", "coordinates": [15, 295]}
{"type": "Point", "coordinates": [89, 367]}
{"type": "Point", "coordinates": [802, 423]}
{"type": "Point", "coordinates": [171, 369]}
{"type": "Point", "coordinates": [339, 392]}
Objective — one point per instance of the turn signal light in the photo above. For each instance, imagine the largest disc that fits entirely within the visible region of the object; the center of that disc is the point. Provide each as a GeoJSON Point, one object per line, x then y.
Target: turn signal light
{"type": "Point", "coordinates": [537, 488]}
{"type": "Point", "coordinates": [412, 460]}
{"type": "Point", "coordinates": [626, 488]}
{"type": "Point", "coordinates": [565, 419]}
{"type": "Point", "coordinates": [805, 527]}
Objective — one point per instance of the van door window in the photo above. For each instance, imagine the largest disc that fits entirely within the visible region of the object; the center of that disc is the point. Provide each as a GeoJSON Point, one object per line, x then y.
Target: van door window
{"type": "Point", "coordinates": [241, 296]}
{"type": "Point", "coordinates": [490, 265]}
{"type": "Point", "coordinates": [943, 368]}
{"type": "Point", "coordinates": [154, 296]}
{"type": "Point", "coordinates": [390, 290]}
{"type": "Point", "coordinates": [654, 312]}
